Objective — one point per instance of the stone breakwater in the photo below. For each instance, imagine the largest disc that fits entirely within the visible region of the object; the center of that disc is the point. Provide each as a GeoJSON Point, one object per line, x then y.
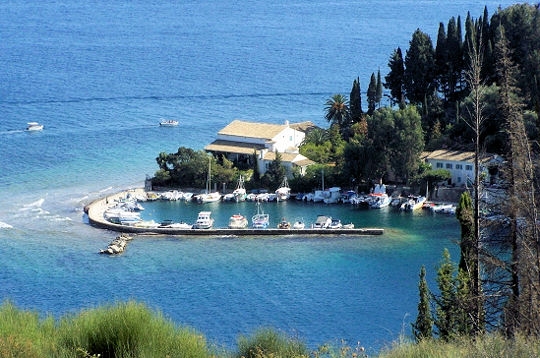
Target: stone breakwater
{"type": "Point", "coordinates": [97, 208]}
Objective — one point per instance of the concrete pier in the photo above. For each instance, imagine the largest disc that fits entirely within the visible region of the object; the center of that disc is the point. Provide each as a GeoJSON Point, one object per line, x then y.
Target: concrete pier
{"type": "Point", "coordinates": [97, 208]}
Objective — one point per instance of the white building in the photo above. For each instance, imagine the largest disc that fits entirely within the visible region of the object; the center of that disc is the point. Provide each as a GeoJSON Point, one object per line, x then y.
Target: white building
{"type": "Point", "coordinates": [459, 164]}
{"type": "Point", "coordinates": [240, 141]}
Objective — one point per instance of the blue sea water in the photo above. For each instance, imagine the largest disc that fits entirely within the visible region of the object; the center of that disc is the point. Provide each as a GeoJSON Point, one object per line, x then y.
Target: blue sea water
{"type": "Point", "coordinates": [100, 75]}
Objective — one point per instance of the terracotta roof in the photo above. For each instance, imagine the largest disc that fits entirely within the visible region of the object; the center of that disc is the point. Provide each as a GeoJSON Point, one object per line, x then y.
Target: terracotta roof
{"type": "Point", "coordinates": [252, 129]}
{"type": "Point", "coordinates": [233, 147]}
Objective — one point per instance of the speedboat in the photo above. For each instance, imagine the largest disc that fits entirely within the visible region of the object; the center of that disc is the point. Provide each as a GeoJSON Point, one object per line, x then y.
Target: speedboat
{"type": "Point", "coordinates": [413, 203]}
{"type": "Point", "coordinates": [238, 221]}
{"type": "Point", "coordinates": [260, 220]}
{"type": "Point", "coordinates": [204, 220]}
{"type": "Point", "coordinates": [299, 224]}
{"type": "Point", "coordinates": [335, 224]}
{"type": "Point", "coordinates": [322, 222]}
{"type": "Point", "coordinates": [34, 126]}
{"type": "Point", "coordinates": [284, 224]}
{"type": "Point", "coordinates": [209, 197]}
{"type": "Point", "coordinates": [168, 123]}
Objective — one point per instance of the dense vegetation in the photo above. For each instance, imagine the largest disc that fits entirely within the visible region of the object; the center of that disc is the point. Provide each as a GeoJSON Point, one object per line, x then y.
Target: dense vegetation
{"type": "Point", "coordinates": [429, 105]}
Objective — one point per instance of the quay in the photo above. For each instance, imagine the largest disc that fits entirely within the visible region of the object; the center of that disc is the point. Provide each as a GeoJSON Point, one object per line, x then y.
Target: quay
{"type": "Point", "coordinates": [96, 209]}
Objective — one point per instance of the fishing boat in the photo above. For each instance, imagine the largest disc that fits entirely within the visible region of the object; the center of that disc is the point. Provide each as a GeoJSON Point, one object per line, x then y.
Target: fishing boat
{"type": "Point", "coordinates": [204, 220]}
{"type": "Point", "coordinates": [379, 198]}
{"type": "Point", "coordinates": [238, 221]}
{"type": "Point", "coordinates": [240, 194]}
{"type": "Point", "coordinates": [261, 219]}
{"type": "Point", "coordinates": [283, 192]}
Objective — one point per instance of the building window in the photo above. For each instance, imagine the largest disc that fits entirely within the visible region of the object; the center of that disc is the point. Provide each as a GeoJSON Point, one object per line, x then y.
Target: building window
{"type": "Point", "coordinates": [439, 165]}
{"type": "Point", "coordinates": [459, 166]}
{"type": "Point", "coordinates": [459, 179]}
{"type": "Point", "coordinates": [468, 167]}
{"type": "Point", "coordinates": [448, 166]}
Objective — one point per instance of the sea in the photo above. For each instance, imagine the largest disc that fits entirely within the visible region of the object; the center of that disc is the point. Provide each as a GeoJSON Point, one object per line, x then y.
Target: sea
{"type": "Point", "coordinates": [100, 75]}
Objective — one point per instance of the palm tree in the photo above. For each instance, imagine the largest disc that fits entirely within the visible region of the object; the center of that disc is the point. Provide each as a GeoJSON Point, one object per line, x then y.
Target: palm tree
{"type": "Point", "coordinates": [337, 110]}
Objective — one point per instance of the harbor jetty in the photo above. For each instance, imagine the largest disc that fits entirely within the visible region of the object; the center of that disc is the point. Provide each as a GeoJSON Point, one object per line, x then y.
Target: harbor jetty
{"type": "Point", "coordinates": [118, 245]}
{"type": "Point", "coordinates": [97, 209]}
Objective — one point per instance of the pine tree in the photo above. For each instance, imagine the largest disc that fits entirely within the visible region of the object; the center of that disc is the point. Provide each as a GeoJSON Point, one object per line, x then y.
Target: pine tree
{"type": "Point", "coordinates": [423, 326]}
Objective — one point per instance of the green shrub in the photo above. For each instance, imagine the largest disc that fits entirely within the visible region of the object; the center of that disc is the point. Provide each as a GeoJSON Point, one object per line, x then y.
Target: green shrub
{"type": "Point", "coordinates": [268, 343]}
{"type": "Point", "coordinates": [128, 330]}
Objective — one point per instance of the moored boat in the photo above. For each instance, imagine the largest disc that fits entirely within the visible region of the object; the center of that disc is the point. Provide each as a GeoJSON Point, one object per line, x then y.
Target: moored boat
{"type": "Point", "coordinates": [335, 224]}
{"type": "Point", "coordinates": [413, 203]}
{"type": "Point", "coordinates": [379, 198]}
{"type": "Point", "coordinates": [322, 222]}
{"type": "Point", "coordinates": [261, 219]}
{"type": "Point", "coordinates": [298, 224]}
{"type": "Point", "coordinates": [284, 224]}
{"type": "Point", "coordinates": [238, 221]}
{"type": "Point", "coordinates": [283, 192]}
{"type": "Point", "coordinates": [204, 220]}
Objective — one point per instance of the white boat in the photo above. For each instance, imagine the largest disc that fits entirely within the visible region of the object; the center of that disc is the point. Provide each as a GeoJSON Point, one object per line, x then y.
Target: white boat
{"type": "Point", "coordinates": [299, 224]}
{"type": "Point", "coordinates": [322, 222]}
{"type": "Point", "coordinates": [168, 123]}
{"type": "Point", "coordinates": [207, 196]}
{"type": "Point", "coordinates": [378, 198]}
{"type": "Point", "coordinates": [413, 203]}
{"type": "Point", "coordinates": [332, 195]}
{"type": "Point", "coordinates": [261, 219]}
{"type": "Point", "coordinates": [283, 192]}
{"type": "Point", "coordinates": [335, 224]}
{"type": "Point", "coordinates": [348, 226]}
{"type": "Point", "coordinates": [34, 126]}
{"type": "Point", "coordinates": [284, 224]}
{"type": "Point", "coordinates": [238, 221]}
{"type": "Point", "coordinates": [204, 220]}
{"type": "Point", "coordinates": [239, 194]}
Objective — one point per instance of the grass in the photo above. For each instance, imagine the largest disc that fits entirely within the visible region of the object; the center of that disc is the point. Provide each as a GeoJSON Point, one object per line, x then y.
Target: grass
{"type": "Point", "coordinates": [131, 330]}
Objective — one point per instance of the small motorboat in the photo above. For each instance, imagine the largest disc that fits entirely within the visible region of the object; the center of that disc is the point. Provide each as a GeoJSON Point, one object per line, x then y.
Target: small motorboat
{"type": "Point", "coordinates": [284, 224]}
{"type": "Point", "coordinates": [34, 126]}
{"type": "Point", "coordinates": [238, 221]}
{"type": "Point", "coordinates": [335, 224]}
{"type": "Point", "coordinates": [299, 224]}
{"type": "Point", "coordinates": [168, 123]}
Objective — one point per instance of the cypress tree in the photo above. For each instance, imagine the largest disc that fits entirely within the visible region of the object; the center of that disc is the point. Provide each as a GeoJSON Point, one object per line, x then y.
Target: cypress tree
{"type": "Point", "coordinates": [379, 94]}
{"type": "Point", "coordinates": [445, 303]}
{"type": "Point", "coordinates": [394, 78]}
{"type": "Point", "coordinates": [372, 94]}
{"type": "Point", "coordinates": [355, 102]}
{"type": "Point", "coordinates": [423, 326]}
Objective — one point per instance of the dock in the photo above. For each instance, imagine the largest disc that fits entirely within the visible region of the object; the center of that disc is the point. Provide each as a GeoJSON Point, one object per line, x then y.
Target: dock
{"type": "Point", "coordinates": [96, 209]}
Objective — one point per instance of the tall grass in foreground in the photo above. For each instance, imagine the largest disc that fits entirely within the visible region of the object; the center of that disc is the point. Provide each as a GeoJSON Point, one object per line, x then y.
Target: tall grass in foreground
{"type": "Point", "coordinates": [131, 330]}
{"type": "Point", "coordinates": [487, 346]}
{"type": "Point", "coordinates": [128, 330]}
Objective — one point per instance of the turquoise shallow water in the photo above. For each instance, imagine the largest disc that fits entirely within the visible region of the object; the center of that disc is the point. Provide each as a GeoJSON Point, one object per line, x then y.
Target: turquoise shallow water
{"type": "Point", "coordinates": [99, 76]}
